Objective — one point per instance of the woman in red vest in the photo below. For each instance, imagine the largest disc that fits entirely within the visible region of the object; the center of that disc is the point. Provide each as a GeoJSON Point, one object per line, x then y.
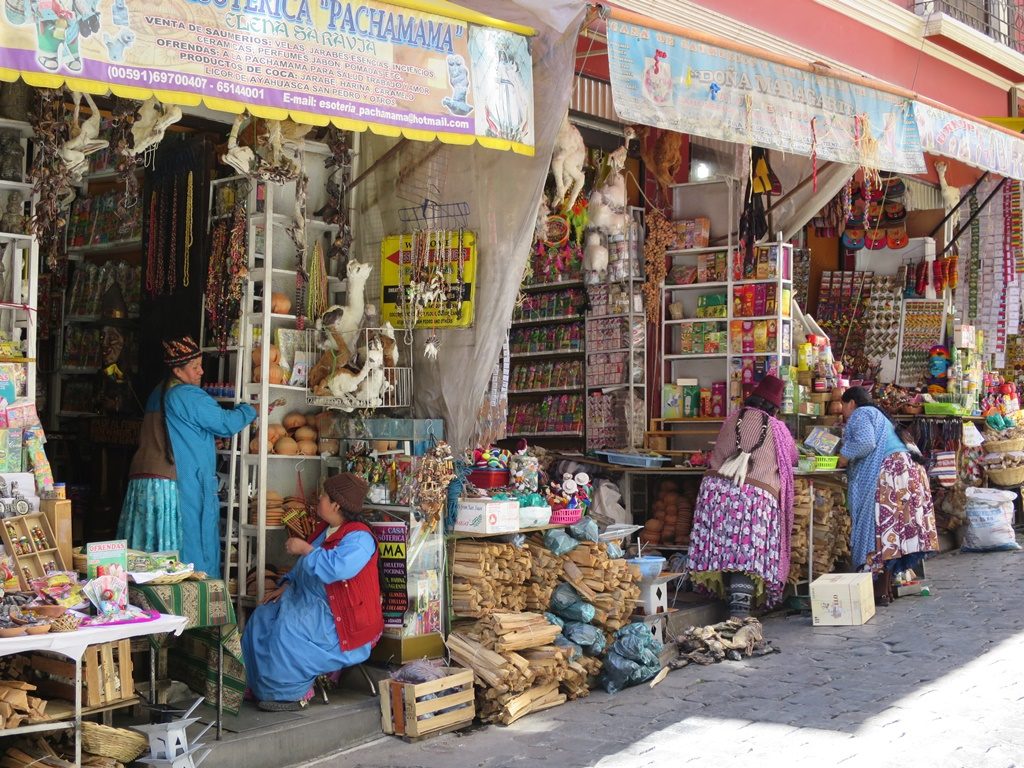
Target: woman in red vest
{"type": "Point", "coordinates": [326, 613]}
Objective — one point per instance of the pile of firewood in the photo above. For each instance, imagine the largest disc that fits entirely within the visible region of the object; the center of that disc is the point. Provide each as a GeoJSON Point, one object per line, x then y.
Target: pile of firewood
{"type": "Point", "coordinates": [545, 573]}
{"type": "Point", "coordinates": [510, 685]}
{"type": "Point", "coordinates": [39, 753]}
{"type": "Point", "coordinates": [515, 631]}
{"type": "Point", "coordinates": [611, 584]}
{"type": "Point", "coordinates": [827, 508]}
{"type": "Point", "coordinates": [489, 576]}
{"type": "Point", "coordinates": [17, 708]}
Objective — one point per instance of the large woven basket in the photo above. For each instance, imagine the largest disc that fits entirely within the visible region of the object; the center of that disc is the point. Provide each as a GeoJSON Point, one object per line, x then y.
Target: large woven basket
{"type": "Point", "coordinates": [1007, 477]}
{"type": "Point", "coordinates": [1004, 446]}
{"type": "Point", "coordinates": [119, 743]}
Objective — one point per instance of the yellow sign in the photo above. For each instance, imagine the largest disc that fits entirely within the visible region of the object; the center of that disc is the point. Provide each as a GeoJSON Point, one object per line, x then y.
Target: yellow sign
{"type": "Point", "coordinates": [418, 68]}
{"type": "Point", "coordinates": [405, 258]}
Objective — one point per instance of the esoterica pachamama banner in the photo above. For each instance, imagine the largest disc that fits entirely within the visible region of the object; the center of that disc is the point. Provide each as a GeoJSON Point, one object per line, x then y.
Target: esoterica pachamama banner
{"type": "Point", "coordinates": [423, 69]}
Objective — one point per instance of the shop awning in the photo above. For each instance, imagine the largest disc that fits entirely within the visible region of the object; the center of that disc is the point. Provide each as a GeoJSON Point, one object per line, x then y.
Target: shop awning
{"type": "Point", "coordinates": [992, 144]}
{"type": "Point", "coordinates": [685, 80]}
{"type": "Point", "coordinates": [423, 69]}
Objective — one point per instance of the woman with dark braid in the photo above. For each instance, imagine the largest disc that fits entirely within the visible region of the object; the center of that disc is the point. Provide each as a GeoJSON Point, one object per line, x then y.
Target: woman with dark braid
{"type": "Point", "coordinates": [172, 501]}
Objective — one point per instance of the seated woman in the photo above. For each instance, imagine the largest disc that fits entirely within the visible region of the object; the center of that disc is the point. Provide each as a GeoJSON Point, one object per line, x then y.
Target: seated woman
{"type": "Point", "coordinates": [326, 613]}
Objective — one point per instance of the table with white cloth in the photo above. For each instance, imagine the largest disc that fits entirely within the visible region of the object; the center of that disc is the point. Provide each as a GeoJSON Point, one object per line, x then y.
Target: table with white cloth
{"type": "Point", "coordinates": [72, 645]}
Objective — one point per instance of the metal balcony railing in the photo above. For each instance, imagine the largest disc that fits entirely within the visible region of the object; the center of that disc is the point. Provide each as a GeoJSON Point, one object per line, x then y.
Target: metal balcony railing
{"type": "Point", "coordinates": [1002, 20]}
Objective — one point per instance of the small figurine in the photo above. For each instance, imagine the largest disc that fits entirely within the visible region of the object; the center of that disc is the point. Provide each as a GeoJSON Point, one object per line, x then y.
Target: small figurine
{"type": "Point", "coordinates": [13, 220]}
{"type": "Point", "coordinates": [12, 157]}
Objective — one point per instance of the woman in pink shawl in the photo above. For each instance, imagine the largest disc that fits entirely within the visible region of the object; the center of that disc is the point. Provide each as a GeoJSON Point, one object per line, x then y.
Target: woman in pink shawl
{"type": "Point", "coordinates": [739, 546]}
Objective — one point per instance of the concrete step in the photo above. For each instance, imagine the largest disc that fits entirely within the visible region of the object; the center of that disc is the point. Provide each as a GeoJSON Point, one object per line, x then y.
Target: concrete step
{"type": "Point", "coordinates": [258, 739]}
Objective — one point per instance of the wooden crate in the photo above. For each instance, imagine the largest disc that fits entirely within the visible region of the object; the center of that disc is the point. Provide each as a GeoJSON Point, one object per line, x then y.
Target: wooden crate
{"type": "Point", "coordinates": [31, 560]}
{"type": "Point", "coordinates": [405, 713]}
{"type": "Point", "coordinates": [106, 675]}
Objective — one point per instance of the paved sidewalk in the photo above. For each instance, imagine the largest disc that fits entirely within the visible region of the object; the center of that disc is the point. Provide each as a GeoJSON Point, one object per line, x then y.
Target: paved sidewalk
{"type": "Point", "coordinates": [929, 681]}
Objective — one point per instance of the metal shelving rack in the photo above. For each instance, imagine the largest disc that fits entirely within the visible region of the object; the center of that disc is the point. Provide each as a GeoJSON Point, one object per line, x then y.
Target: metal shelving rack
{"type": "Point", "coordinates": [635, 374]}
{"type": "Point", "coordinates": [250, 474]}
{"type": "Point", "coordinates": [18, 317]}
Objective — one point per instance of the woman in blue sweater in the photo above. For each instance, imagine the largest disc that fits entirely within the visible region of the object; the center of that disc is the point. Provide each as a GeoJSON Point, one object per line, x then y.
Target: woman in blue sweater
{"type": "Point", "coordinates": [890, 499]}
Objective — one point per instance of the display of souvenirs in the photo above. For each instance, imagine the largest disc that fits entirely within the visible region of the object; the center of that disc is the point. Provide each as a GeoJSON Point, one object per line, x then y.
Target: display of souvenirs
{"type": "Point", "coordinates": [551, 305]}
{"type": "Point", "coordinates": [613, 299]}
{"type": "Point", "coordinates": [759, 300]}
{"type": "Point", "coordinates": [609, 333]}
{"type": "Point", "coordinates": [559, 338]}
{"type": "Point", "coordinates": [82, 348]}
{"type": "Point", "coordinates": [558, 263]}
{"type": "Point", "coordinates": [94, 221]}
{"type": "Point", "coordinates": [91, 282]}
{"type": "Point", "coordinates": [549, 374]}
{"type": "Point", "coordinates": [692, 233]}
{"type": "Point", "coordinates": [702, 338]}
{"type": "Point", "coordinates": [748, 337]}
{"type": "Point", "coordinates": [766, 262]}
{"type": "Point", "coordinates": [606, 369]}
{"type": "Point", "coordinates": [606, 421]}
{"type": "Point", "coordinates": [712, 305]}
{"type": "Point", "coordinates": [554, 414]}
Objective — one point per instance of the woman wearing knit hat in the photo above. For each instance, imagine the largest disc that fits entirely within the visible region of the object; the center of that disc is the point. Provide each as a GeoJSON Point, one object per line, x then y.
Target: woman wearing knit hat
{"type": "Point", "coordinates": [326, 614]}
{"type": "Point", "coordinates": [172, 501]}
{"type": "Point", "coordinates": [739, 546]}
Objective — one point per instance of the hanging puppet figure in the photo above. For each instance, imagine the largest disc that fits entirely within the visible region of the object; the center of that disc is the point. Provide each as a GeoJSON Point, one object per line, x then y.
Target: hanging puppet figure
{"type": "Point", "coordinates": [458, 78]}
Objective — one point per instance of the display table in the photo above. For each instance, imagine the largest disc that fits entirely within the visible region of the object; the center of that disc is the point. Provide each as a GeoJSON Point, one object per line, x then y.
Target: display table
{"type": "Point", "coordinates": [211, 630]}
{"type": "Point", "coordinates": [72, 645]}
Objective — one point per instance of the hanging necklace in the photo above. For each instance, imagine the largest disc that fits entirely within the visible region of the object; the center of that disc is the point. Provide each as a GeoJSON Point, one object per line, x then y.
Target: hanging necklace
{"type": "Point", "coordinates": [172, 254]}
{"type": "Point", "coordinates": [186, 268]}
{"type": "Point", "coordinates": [151, 247]}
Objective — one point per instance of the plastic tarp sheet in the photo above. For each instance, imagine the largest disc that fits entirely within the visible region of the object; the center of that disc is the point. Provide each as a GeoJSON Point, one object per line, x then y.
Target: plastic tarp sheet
{"type": "Point", "coordinates": [501, 191]}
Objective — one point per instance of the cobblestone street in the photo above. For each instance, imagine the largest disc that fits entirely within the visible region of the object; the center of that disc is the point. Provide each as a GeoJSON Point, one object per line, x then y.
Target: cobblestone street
{"type": "Point", "coordinates": [930, 681]}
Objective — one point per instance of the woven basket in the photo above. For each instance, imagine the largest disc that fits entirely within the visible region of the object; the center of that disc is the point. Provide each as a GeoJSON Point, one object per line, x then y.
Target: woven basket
{"type": "Point", "coordinates": [119, 743]}
{"type": "Point", "coordinates": [79, 562]}
{"type": "Point", "coordinates": [1007, 477]}
{"type": "Point", "coordinates": [566, 516]}
{"type": "Point", "coordinates": [1004, 446]}
{"type": "Point", "coordinates": [66, 623]}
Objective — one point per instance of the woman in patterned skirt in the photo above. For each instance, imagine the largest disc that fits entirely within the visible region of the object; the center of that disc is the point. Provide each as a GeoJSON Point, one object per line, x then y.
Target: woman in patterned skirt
{"type": "Point", "coordinates": [890, 499]}
{"type": "Point", "coordinates": [739, 546]}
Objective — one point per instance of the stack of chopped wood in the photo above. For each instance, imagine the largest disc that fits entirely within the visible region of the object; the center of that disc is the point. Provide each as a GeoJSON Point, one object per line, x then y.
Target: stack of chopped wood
{"type": "Point", "coordinates": [489, 576]}
{"type": "Point", "coordinates": [611, 584]}
{"type": "Point", "coordinates": [545, 573]}
{"type": "Point", "coordinates": [826, 507]}
{"type": "Point", "coordinates": [510, 685]}
{"type": "Point", "coordinates": [516, 631]}
{"type": "Point", "coordinates": [803, 506]}
{"type": "Point", "coordinates": [17, 708]}
{"type": "Point", "coordinates": [499, 672]}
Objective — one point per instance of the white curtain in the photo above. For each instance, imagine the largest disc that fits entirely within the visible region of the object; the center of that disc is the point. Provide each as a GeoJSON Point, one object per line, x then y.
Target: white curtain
{"type": "Point", "coordinates": [502, 190]}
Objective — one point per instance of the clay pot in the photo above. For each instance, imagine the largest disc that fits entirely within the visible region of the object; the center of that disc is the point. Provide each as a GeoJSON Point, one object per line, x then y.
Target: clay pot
{"type": "Point", "coordinates": [307, 447]}
{"type": "Point", "coordinates": [305, 433]}
{"type": "Point", "coordinates": [280, 304]}
{"type": "Point", "coordinates": [286, 446]}
{"type": "Point", "coordinates": [257, 355]}
{"type": "Point", "coordinates": [330, 446]}
{"type": "Point", "coordinates": [294, 420]}
{"type": "Point", "coordinates": [276, 374]}
{"type": "Point", "coordinates": [380, 445]}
